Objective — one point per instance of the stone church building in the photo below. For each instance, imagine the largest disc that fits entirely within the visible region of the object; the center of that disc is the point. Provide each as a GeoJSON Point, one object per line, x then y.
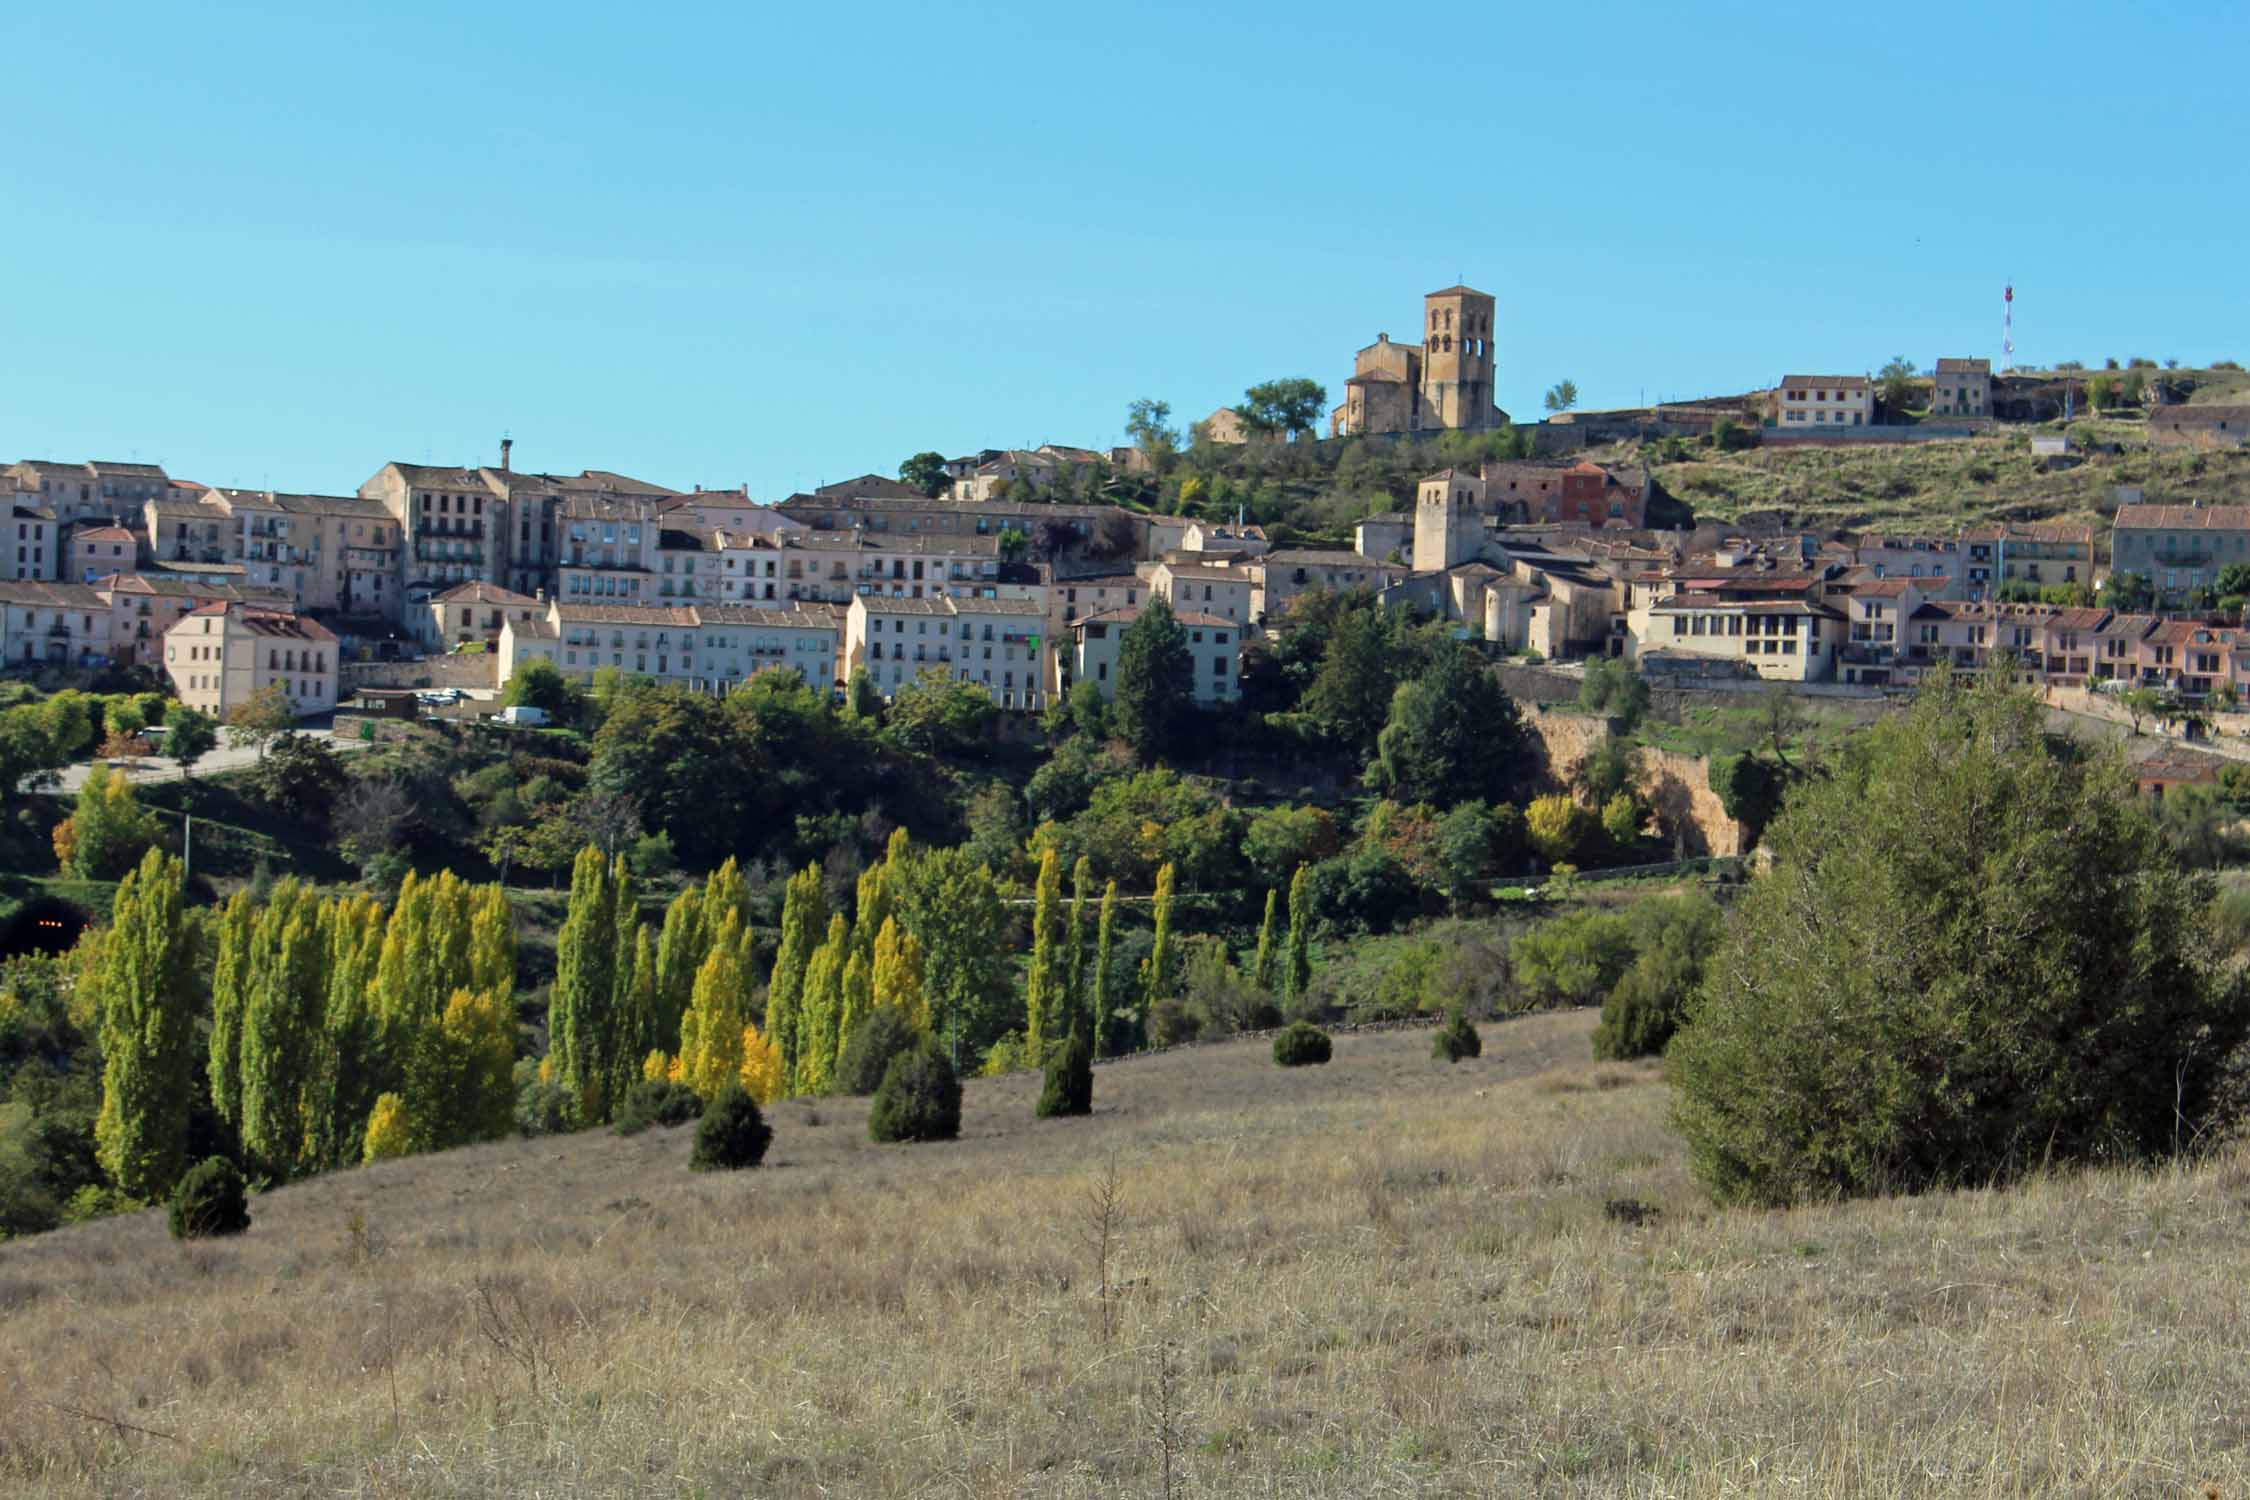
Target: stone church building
{"type": "Point", "coordinates": [1442, 384]}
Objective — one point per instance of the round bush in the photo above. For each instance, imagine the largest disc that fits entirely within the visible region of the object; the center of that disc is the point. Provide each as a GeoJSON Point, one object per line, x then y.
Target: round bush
{"type": "Point", "coordinates": [731, 1135]}
{"type": "Point", "coordinates": [882, 1034]}
{"type": "Point", "coordinates": [665, 1104]}
{"type": "Point", "coordinates": [210, 1201]}
{"type": "Point", "coordinates": [1300, 1044]}
{"type": "Point", "coordinates": [1457, 1039]}
{"type": "Point", "coordinates": [1069, 1086]}
{"type": "Point", "coordinates": [918, 1100]}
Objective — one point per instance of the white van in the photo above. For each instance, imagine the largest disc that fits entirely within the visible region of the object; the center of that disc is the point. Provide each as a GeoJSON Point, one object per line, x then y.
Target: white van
{"type": "Point", "coordinates": [524, 715]}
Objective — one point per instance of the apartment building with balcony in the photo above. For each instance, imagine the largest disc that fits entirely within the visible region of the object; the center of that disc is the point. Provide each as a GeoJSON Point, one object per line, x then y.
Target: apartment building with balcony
{"type": "Point", "coordinates": [199, 529]}
{"type": "Point", "coordinates": [221, 655]}
{"type": "Point", "coordinates": [1205, 589]}
{"type": "Point", "coordinates": [53, 624]}
{"type": "Point", "coordinates": [2179, 548]}
{"type": "Point", "coordinates": [997, 644]}
{"type": "Point", "coordinates": [143, 608]}
{"type": "Point", "coordinates": [1214, 652]}
{"type": "Point", "coordinates": [1777, 639]}
{"type": "Point", "coordinates": [94, 491]}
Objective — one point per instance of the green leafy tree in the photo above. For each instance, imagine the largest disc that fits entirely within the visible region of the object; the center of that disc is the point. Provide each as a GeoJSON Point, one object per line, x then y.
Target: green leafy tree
{"type": "Point", "coordinates": [804, 922]}
{"type": "Point", "coordinates": [940, 714]}
{"type": "Point", "coordinates": [1361, 657]}
{"type": "Point", "coordinates": [1750, 789]}
{"type": "Point", "coordinates": [1297, 972]}
{"type": "Point", "coordinates": [2131, 592]}
{"type": "Point", "coordinates": [1156, 970]}
{"type": "Point", "coordinates": [1454, 736]}
{"type": "Point", "coordinates": [1897, 378]}
{"type": "Point", "coordinates": [298, 775]}
{"type": "Point", "coordinates": [189, 735]}
{"type": "Point", "coordinates": [821, 1010]}
{"type": "Point", "coordinates": [230, 980]}
{"type": "Point", "coordinates": [108, 830]}
{"type": "Point", "coordinates": [145, 998]}
{"type": "Point", "coordinates": [1148, 423]}
{"type": "Point", "coordinates": [1105, 941]}
{"type": "Point", "coordinates": [539, 684]}
{"type": "Point", "coordinates": [1283, 406]}
{"type": "Point", "coordinates": [261, 718]}
{"type": "Point", "coordinates": [1562, 396]}
{"type": "Point", "coordinates": [1267, 971]}
{"type": "Point", "coordinates": [1074, 944]}
{"type": "Point", "coordinates": [952, 906]}
{"type": "Point", "coordinates": [579, 1028]}
{"type": "Point", "coordinates": [1154, 692]}
{"type": "Point", "coordinates": [926, 472]}
{"type": "Point", "coordinates": [1613, 689]}
{"type": "Point", "coordinates": [1044, 1004]}
{"type": "Point", "coordinates": [282, 1019]}
{"type": "Point", "coordinates": [1993, 964]}
{"type": "Point", "coordinates": [1672, 937]}
{"type": "Point", "coordinates": [1466, 839]}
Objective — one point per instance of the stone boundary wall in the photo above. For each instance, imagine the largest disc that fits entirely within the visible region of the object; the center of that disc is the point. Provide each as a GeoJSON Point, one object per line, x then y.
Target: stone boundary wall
{"type": "Point", "coordinates": [476, 669]}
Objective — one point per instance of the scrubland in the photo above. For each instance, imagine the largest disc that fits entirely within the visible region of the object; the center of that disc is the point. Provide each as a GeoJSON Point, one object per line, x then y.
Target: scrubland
{"type": "Point", "coordinates": [1386, 1276]}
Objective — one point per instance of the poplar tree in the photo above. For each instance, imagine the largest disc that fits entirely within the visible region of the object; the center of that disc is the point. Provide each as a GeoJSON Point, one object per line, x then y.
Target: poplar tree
{"type": "Point", "coordinates": [1298, 972]}
{"type": "Point", "coordinates": [638, 1029]}
{"type": "Point", "coordinates": [1042, 997]}
{"type": "Point", "coordinates": [464, 1091]}
{"type": "Point", "coordinates": [387, 1130]}
{"type": "Point", "coordinates": [281, 1025]}
{"type": "Point", "coordinates": [877, 898]}
{"type": "Point", "coordinates": [725, 894]}
{"type": "Point", "coordinates": [1074, 945]}
{"type": "Point", "coordinates": [679, 953]}
{"type": "Point", "coordinates": [585, 963]}
{"type": "Point", "coordinates": [711, 1031]}
{"type": "Point", "coordinates": [228, 969]}
{"type": "Point", "coordinates": [760, 1074]}
{"type": "Point", "coordinates": [858, 997]}
{"type": "Point", "coordinates": [1157, 968]}
{"type": "Point", "coordinates": [147, 1027]}
{"type": "Point", "coordinates": [626, 1041]}
{"type": "Point", "coordinates": [817, 1016]}
{"type": "Point", "coordinates": [1268, 956]}
{"type": "Point", "coordinates": [492, 944]}
{"type": "Point", "coordinates": [1106, 932]}
{"type": "Point", "coordinates": [347, 1077]}
{"type": "Point", "coordinates": [898, 974]}
{"type": "Point", "coordinates": [804, 915]}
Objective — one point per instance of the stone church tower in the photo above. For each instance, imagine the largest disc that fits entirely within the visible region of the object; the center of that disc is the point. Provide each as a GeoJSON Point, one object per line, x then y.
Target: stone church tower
{"type": "Point", "coordinates": [1448, 526]}
{"type": "Point", "coordinates": [1457, 360]}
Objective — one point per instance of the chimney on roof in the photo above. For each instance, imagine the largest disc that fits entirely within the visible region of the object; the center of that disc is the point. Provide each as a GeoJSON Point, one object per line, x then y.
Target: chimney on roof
{"type": "Point", "coordinates": [507, 445]}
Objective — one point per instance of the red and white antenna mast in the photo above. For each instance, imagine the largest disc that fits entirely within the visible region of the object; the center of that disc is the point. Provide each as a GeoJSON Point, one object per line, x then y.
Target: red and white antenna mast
{"type": "Point", "coordinates": [2008, 329]}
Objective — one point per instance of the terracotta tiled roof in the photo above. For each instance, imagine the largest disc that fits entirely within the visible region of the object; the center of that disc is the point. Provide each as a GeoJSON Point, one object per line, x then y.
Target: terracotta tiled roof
{"type": "Point", "coordinates": [480, 592]}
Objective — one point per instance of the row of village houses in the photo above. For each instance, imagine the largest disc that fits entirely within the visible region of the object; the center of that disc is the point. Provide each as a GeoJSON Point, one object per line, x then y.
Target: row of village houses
{"type": "Point", "coordinates": [706, 587]}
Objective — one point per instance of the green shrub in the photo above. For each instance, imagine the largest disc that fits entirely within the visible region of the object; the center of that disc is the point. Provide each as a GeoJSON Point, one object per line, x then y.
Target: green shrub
{"type": "Point", "coordinates": [1069, 1085]}
{"type": "Point", "coordinates": [210, 1201]}
{"type": "Point", "coordinates": [1973, 956]}
{"type": "Point", "coordinates": [665, 1104]}
{"type": "Point", "coordinates": [882, 1034]}
{"type": "Point", "coordinates": [731, 1135]}
{"type": "Point", "coordinates": [1457, 1039]}
{"type": "Point", "coordinates": [919, 1099]}
{"type": "Point", "coordinates": [1301, 1044]}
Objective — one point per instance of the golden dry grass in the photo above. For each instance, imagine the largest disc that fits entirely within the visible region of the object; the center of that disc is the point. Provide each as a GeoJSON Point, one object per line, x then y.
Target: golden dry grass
{"type": "Point", "coordinates": [1382, 1277]}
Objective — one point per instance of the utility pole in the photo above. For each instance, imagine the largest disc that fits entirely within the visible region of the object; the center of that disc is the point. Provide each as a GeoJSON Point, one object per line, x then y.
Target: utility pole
{"type": "Point", "coordinates": [187, 846]}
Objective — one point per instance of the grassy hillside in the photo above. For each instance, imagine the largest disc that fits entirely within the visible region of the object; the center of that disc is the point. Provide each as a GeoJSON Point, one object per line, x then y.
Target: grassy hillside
{"type": "Point", "coordinates": [1943, 486]}
{"type": "Point", "coordinates": [1380, 1277]}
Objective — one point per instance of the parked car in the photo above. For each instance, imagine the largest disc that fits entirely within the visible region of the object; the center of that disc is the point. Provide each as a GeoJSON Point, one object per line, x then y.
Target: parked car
{"type": "Point", "coordinates": [523, 714]}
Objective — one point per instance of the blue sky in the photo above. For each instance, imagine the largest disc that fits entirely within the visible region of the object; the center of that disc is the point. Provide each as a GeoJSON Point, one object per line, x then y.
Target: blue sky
{"type": "Point", "coordinates": [280, 245]}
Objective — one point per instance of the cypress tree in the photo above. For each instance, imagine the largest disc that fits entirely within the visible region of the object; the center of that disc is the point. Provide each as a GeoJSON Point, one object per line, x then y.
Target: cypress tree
{"type": "Point", "coordinates": [585, 963]}
{"type": "Point", "coordinates": [1268, 956]}
{"type": "Point", "coordinates": [679, 953]}
{"type": "Point", "coordinates": [1157, 969]}
{"type": "Point", "coordinates": [1106, 931]}
{"type": "Point", "coordinates": [804, 916]}
{"type": "Point", "coordinates": [147, 1025]}
{"type": "Point", "coordinates": [1042, 992]}
{"type": "Point", "coordinates": [1298, 973]}
{"type": "Point", "coordinates": [817, 1015]}
{"type": "Point", "coordinates": [228, 971]}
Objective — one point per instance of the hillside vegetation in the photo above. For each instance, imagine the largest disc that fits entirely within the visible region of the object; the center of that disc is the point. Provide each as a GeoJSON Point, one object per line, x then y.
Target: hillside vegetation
{"type": "Point", "coordinates": [1385, 1276]}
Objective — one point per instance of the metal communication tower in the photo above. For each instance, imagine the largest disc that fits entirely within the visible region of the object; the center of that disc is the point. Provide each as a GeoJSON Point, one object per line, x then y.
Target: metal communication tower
{"type": "Point", "coordinates": [2008, 329]}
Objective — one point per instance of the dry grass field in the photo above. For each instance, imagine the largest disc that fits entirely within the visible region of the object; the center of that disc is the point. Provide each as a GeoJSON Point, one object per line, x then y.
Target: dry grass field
{"type": "Point", "coordinates": [1384, 1277]}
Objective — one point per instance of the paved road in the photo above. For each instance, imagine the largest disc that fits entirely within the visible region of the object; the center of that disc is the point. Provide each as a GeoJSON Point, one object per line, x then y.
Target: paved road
{"type": "Point", "coordinates": [153, 768]}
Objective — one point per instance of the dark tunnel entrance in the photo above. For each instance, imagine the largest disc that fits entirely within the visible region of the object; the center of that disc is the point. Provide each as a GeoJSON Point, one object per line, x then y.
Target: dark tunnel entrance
{"type": "Point", "coordinates": [44, 926]}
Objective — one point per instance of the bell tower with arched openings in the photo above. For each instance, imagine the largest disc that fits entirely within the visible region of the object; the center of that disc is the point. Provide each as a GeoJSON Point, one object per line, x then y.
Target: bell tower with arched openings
{"type": "Point", "coordinates": [1457, 359]}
